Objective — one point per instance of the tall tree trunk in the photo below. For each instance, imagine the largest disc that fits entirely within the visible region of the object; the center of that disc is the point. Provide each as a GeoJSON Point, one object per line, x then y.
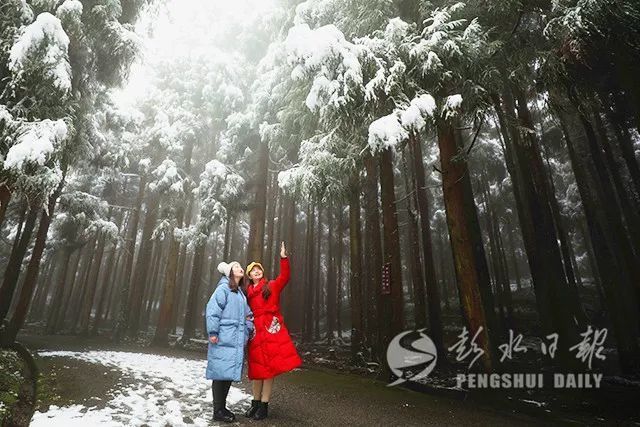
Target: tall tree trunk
{"type": "Point", "coordinates": [355, 278]}
{"type": "Point", "coordinates": [131, 301]}
{"type": "Point", "coordinates": [539, 233]}
{"type": "Point", "coordinates": [89, 297]}
{"type": "Point", "coordinates": [14, 265]}
{"type": "Point", "coordinates": [126, 293]}
{"type": "Point", "coordinates": [340, 273]}
{"type": "Point", "coordinates": [420, 306]}
{"type": "Point", "coordinates": [436, 331]}
{"type": "Point", "coordinates": [31, 275]}
{"type": "Point", "coordinates": [330, 301]}
{"type": "Point", "coordinates": [391, 255]}
{"type": "Point", "coordinates": [271, 212]}
{"type": "Point", "coordinates": [606, 231]}
{"type": "Point", "coordinates": [192, 299]}
{"type": "Point", "coordinates": [443, 272]}
{"type": "Point", "coordinates": [107, 283]}
{"type": "Point", "coordinates": [307, 313]}
{"type": "Point", "coordinates": [317, 280]}
{"type": "Point", "coordinates": [79, 288]}
{"type": "Point", "coordinates": [5, 198]}
{"type": "Point", "coordinates": [373, 249]}
{"type": "Point", "coordinates": [626, 196]}
{"type": "Point", "coordinates": [59, 291]}
{"type": "Point", "coordinates": [170, 300]}
{"type": "Point", "coordinates": [288, 233]}
{"type": "Point", "coordinates": [565, 244]}
{"type": "Point", "coordinates": [258, 211]}
{"type": "Point", "coordinates": [514, 257]}
{"type": "Point", "coordinates": [471, 269]}
{"type": "Point", "coordinates": [616, 114]}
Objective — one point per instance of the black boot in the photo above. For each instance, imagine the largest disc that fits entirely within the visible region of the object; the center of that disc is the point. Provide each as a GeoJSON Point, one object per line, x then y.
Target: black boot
{"type": "Point", "coordinates": [224, 414]}
{"type": "Point", "coordinates": [262, 412]}
{"type": "Point", "coordinates": [254, 407]}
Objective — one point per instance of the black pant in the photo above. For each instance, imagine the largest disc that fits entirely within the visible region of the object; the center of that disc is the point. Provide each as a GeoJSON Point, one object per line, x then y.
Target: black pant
{"type": "Point", "coordinates": [220, 390]}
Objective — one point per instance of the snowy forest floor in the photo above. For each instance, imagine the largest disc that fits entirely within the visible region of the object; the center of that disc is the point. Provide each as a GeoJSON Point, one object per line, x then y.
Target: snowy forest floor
{"type": "Point", "coordinates": [92, 381]}
{"type": "Point", "coordinates": [85, 386]}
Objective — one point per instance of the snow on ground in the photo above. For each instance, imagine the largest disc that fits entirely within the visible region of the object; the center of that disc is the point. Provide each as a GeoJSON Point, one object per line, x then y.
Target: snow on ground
{"type": "Point", "coordinates": [162, 391]}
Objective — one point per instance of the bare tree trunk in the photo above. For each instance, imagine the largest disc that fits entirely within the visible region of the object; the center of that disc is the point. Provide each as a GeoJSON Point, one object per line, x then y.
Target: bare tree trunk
{"type": "Point", "coordinates": [273, 201]}
{"type": "Point", "coordinates": [258, 211]}
{"type": "Point", "coordinates": [89, 297]}
{"type": "Point", "coordinates": [373, 249]}
{"type": "Point", "coordinates": [316, 280]}
{"type": "Point", "coordinates": [436, 331]}
{"type": "Point", "coordinates": [78, 288]}
{"type": "Point", "coordinates": [12, 272]}
{"type": "Point", "coordinates": [355, 280]}
{"type": "Point", "coordinates": [107, 283]}
{"type": "Point", "coordinates": [307, 308]}
{"type": "Point", "coordinates": [5, 198]}
{"type": "Point", "coordinates": [466, 243]}
{"type": "Point", "coordinates": [340, 273]}
{"type": "Point", "coordinates": [606, 231]}
{"type": "Point", "coordinates": [56, 302]}
{"type": "Point", "coordinates": [391, 255]}
{"type": "Point", "coordinates": [31, 275]}
{"type": "Point", "coordinates": [131, 318]}
{"type": "Point", "coordinates": [420, 306]}
{"type": "Point", "coordinates": [330, 301]}
{"type": "Point", "coordinates": [126, 294]}
{"type": "Point", "coordinates": [192, 299]}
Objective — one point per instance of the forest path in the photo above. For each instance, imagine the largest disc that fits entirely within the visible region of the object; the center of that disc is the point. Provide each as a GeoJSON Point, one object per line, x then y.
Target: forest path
{"type": "Point", "coordinates": [128, 386]}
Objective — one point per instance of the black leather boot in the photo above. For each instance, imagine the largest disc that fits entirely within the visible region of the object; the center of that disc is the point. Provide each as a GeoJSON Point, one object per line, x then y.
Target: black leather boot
{"type": "Point", "coordinates": [254, 407]}
{"type": "Point", "coordinates": [262, 412]}
{"type": "Point", "coordinates": [224, 414]}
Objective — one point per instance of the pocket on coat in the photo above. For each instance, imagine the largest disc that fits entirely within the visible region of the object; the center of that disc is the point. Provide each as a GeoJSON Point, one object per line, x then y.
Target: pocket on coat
{"type": "Point", "coordinates": [226, 337]}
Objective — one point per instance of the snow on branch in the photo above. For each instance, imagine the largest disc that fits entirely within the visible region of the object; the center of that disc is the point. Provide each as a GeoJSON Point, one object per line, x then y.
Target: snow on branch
{"type": "Point", "coordinates": [36, 141]}
{"type": "Point", "coordinates": [44, 35]}
{"type": "Point", "coordinates": [386, 132]}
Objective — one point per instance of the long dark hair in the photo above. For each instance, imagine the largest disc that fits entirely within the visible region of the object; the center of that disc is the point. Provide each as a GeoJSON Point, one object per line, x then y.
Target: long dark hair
{"type": "Point", "coordinates": [266, 290]}
{"type": "Point", "coordinates": [233, 280]}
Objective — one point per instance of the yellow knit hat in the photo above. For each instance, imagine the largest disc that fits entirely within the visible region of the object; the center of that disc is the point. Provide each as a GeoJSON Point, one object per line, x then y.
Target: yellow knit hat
{"type": "Point", "coordinates": [254, 264]}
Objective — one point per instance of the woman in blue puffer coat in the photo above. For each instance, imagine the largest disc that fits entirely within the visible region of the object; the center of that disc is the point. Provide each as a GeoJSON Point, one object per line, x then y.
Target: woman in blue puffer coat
{"type": "Point", "coordinates": [229, 324]}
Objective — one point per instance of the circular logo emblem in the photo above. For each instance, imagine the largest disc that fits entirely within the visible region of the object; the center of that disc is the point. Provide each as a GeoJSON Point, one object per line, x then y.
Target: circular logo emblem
{"type": "Point", "coordinates": [411, 355]}
{"type": "Point", "coordinates": [274, 328]}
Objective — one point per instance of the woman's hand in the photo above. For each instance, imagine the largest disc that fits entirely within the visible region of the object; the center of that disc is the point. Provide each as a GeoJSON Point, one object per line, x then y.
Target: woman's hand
{"type": "Point", "coordinates": [283, 251]}
{"type": "Point", "coordinates": [213, 339]}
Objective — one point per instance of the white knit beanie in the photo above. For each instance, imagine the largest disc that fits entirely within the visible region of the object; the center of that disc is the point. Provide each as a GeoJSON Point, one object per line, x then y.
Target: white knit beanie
{"type": "Point", "coordinates": [225, 268]}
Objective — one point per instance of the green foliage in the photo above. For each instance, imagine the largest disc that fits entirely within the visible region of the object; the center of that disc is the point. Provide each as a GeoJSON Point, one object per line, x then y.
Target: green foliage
{"type": "Point", "coordinates": [10, 380]}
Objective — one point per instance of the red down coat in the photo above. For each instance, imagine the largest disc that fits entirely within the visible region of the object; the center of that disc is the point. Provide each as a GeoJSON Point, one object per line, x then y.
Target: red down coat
{"type": "Point", "coordinates": [271, 351]}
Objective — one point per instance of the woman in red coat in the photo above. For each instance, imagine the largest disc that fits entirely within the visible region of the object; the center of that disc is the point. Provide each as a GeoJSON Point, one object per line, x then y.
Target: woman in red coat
{"type": "Point", "coordinates": [271, 351]}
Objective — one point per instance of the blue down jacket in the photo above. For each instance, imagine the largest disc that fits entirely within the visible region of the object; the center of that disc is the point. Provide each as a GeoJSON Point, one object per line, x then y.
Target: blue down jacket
{"type": "Point", "coordinates": [231, 320]}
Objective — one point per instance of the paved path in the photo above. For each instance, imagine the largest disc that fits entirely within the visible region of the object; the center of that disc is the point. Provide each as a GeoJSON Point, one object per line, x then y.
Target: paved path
{"type": "Point", "coordinates": [306, 396]}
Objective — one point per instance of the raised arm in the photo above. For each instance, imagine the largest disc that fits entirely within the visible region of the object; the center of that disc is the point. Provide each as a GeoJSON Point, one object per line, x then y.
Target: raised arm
{"type": "Point", "coordinates": [283, 278]}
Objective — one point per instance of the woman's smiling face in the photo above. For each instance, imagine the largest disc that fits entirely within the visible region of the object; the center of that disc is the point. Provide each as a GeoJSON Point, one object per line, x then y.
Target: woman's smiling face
{"type": "Point", "coordinates": [256, 273]}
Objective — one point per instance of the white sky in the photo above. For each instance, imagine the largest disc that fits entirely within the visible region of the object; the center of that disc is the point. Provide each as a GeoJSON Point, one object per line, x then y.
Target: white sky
{"type": "Point", "coordinates": [183, 28]}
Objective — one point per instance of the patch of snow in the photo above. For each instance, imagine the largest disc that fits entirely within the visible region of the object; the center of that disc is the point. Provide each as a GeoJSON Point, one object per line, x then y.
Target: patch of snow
{"type": "Point", "coordinates": [533, 402]}
{"type": "Point", "coordinates": [164, 391]}
{"type": "Point", "coordinates": [451, 106]}
{"type": "Point", "coordinates": [386, 132]}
